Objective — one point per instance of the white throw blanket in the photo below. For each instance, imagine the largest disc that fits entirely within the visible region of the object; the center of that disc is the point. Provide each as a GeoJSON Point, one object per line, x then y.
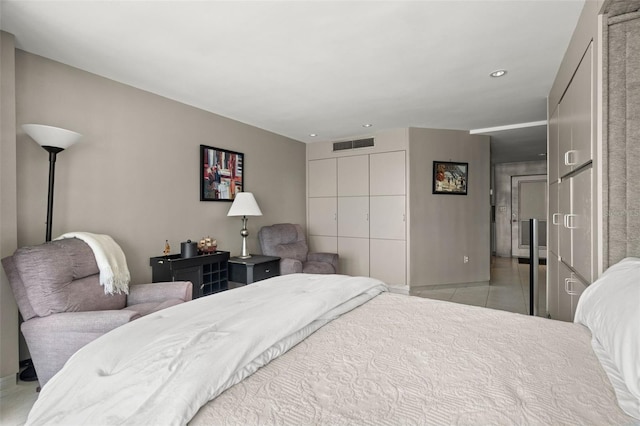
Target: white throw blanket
{"type": "Point", "coordinates": [160, 369]}
{"type": "Point", "coordinates": [112, 263]}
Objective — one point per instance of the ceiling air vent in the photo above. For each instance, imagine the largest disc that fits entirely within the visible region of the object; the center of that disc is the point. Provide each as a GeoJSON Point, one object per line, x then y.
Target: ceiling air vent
{"type": "Point", "coordinates": [358, 143]}
{"type": "Point", "coordinates": [362, 143]}
{"type": "Point", "coordinates": [339, 146]}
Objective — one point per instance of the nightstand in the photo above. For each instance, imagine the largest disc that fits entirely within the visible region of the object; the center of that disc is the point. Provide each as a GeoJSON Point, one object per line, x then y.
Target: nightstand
{"type": "Point", "coordinates": [255, 268]}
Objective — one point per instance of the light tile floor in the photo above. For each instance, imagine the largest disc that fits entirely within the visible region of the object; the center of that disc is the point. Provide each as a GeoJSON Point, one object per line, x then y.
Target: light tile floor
{"type": "Point", "coordinates": [16, 402]}
{"type": "Point", "coordinates": [508, 290]}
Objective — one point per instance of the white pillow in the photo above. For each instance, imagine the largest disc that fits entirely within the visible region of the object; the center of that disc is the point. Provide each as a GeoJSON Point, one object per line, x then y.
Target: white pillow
{"type": "Point", "coordinates": [610, 308]}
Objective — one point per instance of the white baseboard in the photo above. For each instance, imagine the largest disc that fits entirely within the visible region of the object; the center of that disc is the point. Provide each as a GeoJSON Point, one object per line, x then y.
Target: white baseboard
{"type": "Point", "coordinates": [399, 289]}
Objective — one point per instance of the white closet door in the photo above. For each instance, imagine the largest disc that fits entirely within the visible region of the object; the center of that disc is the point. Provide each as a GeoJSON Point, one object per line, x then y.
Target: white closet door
{"type": "Point", "coordinates": [564, 206]}
{"type": "Point", "coordinates": [581, 133]}
{"type": "Point", "coordinates": [554, 221]}
{"type": "Point", "coordinates": [321, 244]}
{"type": "Point", "coordinates": [322, 178]}
{"type": "Point", "coordinates": [323, 216]}
{"type": "Point", "coordinates": [552, 285]}
{"type": "Point", "coordinates": [353, 256]}
{"type": "Point", "coordinates": [577, 287]}
{"type": "Point", "coordinates": [353, 217]}
{"type": "Point", "coordinates": [388, 260]}
{"type": "Point", "coordinates": [387, 217]}
{"type": "Point", "coordinates": [571, 288]}
{"type": "Point", "coordinates": [353, 175]}
{"type": "Point", "coordinates": [387, 173]}
{"type": "Point", "coordinates": [554, 149]}
{"type": "Point", "coordinates": [565, 123]}
{"type": "Point", "coordinates": [581, 242]}
{"type": "Point", "coordinates": [574, 126]}
{"type": "Point", "coordinates": [564, 298]}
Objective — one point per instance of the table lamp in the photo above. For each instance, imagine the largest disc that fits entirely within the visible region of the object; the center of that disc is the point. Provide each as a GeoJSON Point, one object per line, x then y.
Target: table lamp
{"type": "Point", "coordinates": [244, 205]}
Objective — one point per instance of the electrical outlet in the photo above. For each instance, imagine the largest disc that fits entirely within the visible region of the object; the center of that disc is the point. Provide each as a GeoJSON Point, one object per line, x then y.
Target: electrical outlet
{"type": "Point", "coordinates": [465, 259]}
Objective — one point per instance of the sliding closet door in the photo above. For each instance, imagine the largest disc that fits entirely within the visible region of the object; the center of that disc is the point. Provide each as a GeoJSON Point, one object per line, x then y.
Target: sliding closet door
{"type": "Point", "coordinates": [388, 205]}
{"type": "Point", "coordinates": [322, 205]}
{"type": "Point", "coordinates": [353, 214]}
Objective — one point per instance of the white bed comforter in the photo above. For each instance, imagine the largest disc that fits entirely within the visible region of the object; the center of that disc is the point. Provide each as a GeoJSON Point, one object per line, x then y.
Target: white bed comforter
{"type": "Point", "coordinates": [162, 368]}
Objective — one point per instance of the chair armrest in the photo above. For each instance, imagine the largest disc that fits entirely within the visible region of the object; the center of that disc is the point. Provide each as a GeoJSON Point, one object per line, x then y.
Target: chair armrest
{"type": "Point", "coordinates": [87, 322]}
{"type": "Point", "coordinates": [159, 292]}
{"type": "Point", "coordinates": [290, 266]}
{"type": "Point", "coordinates": [331, 258]}
{"type": "Point", "coordinates": [54, 338]}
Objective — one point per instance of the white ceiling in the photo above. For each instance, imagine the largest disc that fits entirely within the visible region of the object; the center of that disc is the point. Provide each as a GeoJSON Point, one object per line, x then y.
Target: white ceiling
{"type": "Point", "coordinates": [324, 67]}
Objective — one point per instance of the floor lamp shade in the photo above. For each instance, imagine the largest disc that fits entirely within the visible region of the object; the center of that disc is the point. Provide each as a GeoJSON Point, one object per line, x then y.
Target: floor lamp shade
{"type": "Point", "coordinates": [51, 136]}
{"type": "Point", "coordinates": [244, 205]}
{"type": "Point", "coordinates": [53, 140]}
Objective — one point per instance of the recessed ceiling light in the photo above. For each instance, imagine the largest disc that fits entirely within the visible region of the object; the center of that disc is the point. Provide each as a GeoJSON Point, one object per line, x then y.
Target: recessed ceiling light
{"type": "Point", "coordinates": [367, 125]}
{"type": "Point", "coordinates": [313, 135]}
{"type": "Point", "coordinates": [544, 154]}
{"type": "Point", "coordinates": [498, 73]}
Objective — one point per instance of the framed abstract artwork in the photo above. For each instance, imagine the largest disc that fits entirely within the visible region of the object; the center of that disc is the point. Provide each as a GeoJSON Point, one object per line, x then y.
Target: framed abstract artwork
{"type": "Point", "coordinates": [450, 178]}
{"type": "Point", "coordinates": [221, 174]}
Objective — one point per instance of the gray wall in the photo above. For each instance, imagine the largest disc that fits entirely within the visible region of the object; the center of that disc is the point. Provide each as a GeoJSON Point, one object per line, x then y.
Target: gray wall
{"type": "Point", "coordinates": [444, 228]}
{"type": "Point", "coordinates": [135, 175]}
{"type": "Point", "coordinates": [8, 220]}
{"type": "Point", "coordinates": [502, 193]}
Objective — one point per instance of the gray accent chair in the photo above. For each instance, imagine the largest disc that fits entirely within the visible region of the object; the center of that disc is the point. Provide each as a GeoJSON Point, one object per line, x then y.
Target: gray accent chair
{"type": "Point", "coordinates": [57, 288]}
{"type": "Point", "coordinates": [288, 242]}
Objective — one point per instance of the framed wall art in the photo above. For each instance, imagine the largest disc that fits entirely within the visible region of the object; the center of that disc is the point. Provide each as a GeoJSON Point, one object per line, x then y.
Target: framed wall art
{"type": "Point", "coordinates": [450, 178]}
{"type": "Point", "coordinates": [221, 174]}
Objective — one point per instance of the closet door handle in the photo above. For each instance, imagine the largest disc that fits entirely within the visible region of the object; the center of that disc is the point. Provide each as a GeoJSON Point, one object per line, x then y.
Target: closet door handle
{"type": "Point", "coordinates": [570, 158]}
{"type": "Point", "coordinates": [555, 219]}
{"type": "Point", "coordinates": [569, 288]}
{"type": "Point", "coordinates": [568, 221]}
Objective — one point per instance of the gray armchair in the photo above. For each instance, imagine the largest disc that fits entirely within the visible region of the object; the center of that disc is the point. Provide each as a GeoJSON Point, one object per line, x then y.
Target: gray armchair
{"type": "Point", "coordinates": [57, 288]}
{"type": "Point", "coordinates": [288, 242]}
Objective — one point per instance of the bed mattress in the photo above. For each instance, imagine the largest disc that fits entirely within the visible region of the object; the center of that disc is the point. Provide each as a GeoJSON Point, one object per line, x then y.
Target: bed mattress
{"type": "Point", "coordinates": [407, 360]}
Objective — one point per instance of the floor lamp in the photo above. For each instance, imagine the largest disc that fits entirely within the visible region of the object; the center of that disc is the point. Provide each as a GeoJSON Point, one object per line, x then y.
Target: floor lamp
{"type": "Point", "coordinates": [244, 205]}
{"type": "Point", "coordinates": [53, 140]}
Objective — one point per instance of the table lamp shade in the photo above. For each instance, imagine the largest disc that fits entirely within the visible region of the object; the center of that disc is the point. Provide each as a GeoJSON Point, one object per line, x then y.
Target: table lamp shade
{"type": "Point", "coordinates": [244, 205]}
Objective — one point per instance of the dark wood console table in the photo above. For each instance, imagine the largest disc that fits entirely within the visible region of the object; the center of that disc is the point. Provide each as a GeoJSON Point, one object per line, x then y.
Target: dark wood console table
{"type": "Point", "coordinates": [209, 273]}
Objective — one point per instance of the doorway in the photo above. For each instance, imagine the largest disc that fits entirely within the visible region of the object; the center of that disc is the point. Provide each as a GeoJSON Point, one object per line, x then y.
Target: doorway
{"type": "Point", "coordinates": [528, 201]}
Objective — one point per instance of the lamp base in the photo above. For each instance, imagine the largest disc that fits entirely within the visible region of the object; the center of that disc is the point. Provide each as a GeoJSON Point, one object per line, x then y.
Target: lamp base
{"type": "Point", "coordinates": [244, 254]}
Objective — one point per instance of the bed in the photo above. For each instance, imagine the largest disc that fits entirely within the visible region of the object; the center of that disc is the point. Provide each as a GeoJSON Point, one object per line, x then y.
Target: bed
{"type": "Point", "coordinates": [311, 349]}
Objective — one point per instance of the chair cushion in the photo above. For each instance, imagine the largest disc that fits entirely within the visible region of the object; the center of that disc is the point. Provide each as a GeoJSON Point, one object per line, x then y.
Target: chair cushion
{"type": "Point", "coordinates": [284, 233]}
{"type": "Point", "coordinates": [19, 292]}
{"type": "Point", "coordinates": [318, 268]}
{"type": "Point", "coordinates": [62, 276]}
{"type": "Point", "coordinates": [297, 251]}
{"type": "Point", "coordinates": [147, 308]}
{"type": "Point", "coordinates": [280, 233]}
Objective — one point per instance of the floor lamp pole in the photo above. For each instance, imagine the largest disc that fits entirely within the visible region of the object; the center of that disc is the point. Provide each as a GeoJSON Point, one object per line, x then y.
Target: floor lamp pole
{"type": "Point", "coordinates": [53, 151]}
